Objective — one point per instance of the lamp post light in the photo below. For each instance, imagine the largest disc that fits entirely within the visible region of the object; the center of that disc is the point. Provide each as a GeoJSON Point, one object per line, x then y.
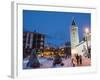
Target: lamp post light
{"type": "Point", "coordinates": [86, 30]}
{"type": "Point", "coordinates": [86, 39]}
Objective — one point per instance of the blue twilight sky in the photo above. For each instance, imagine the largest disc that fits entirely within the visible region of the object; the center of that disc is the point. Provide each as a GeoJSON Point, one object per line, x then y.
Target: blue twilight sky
{"type": "Point", "coordinates": [55, 25]}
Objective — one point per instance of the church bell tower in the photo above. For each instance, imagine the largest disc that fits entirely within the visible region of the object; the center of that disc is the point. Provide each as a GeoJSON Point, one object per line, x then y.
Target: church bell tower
{"type": "Point", "coordinates": [74, 35]}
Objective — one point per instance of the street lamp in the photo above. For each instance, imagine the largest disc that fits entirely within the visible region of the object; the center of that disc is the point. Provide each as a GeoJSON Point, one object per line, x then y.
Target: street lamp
{"type": "Point", "coordinates": [86, 38]}
{"type": "Point", "coordinates": [86, 30]}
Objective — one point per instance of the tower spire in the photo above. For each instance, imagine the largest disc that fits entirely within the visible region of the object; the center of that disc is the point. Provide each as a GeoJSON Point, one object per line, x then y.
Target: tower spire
{"type": "Point", "coordinates": [73, 23]}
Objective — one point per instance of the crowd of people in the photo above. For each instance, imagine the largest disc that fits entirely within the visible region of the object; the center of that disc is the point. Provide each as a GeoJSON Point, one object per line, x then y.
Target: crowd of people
{"type": "Point", "coordinates": [57, 60]}
{"type": "Point", "coordinates": [77, 60]}
{"type": "Point", "coordinates": [34, 62]}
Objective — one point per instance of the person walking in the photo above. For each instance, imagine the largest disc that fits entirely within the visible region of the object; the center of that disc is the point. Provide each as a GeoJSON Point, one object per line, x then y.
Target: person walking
{"type": "Point", "coordinates": [73, 62]}
{"type": "Point", "coordinates": [77, 58]}
{"type": "Point", "coordinates": [80, 59]}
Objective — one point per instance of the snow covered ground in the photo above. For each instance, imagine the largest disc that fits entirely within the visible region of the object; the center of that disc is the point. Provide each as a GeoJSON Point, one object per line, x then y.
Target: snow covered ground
{"type": "Point", "coordinates": [48, 63]}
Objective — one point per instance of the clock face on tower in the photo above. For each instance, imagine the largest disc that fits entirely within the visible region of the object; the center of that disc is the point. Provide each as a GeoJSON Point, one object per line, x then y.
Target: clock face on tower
{"type": "Point", "coordinates": [74, 29]}
{"type": "Point", "coordinates": [73, 32]}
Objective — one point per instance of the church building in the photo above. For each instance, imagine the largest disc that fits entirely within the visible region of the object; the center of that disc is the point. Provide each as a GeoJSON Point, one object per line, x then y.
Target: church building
{"type": "Point", "coordinates": [82, 47]}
